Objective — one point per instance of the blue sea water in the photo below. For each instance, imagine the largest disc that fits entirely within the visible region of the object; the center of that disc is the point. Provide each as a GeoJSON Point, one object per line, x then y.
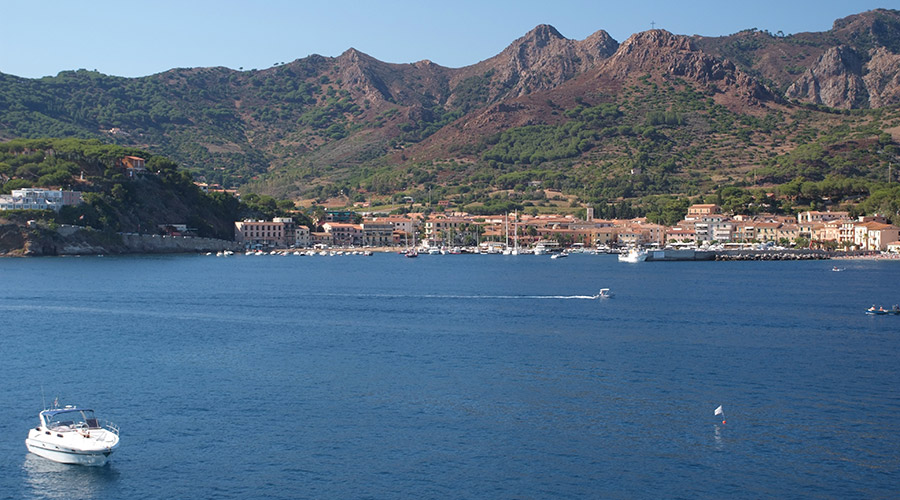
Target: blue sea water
{"type": "Point", "coordinates": [455, 377]}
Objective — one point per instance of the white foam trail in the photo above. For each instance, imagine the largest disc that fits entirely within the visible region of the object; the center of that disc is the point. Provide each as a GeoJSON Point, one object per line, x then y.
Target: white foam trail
{"type": "Point", "coordinates": [482, 297]}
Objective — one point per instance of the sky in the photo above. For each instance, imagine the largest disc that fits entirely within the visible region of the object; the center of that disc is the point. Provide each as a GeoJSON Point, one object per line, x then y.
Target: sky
{"type": "Point", "coordinates": [135, 38]}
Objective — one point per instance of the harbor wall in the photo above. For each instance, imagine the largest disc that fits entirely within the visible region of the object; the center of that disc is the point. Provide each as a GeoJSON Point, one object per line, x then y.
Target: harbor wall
{"type": "Point", "coordinates": [668, 255]}
{"type": "Point", "coordinates": [77, 240]}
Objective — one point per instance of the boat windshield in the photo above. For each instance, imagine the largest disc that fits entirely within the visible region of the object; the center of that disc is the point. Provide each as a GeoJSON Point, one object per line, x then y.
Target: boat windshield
{"type": "Point", "coordinates": [72, 419]}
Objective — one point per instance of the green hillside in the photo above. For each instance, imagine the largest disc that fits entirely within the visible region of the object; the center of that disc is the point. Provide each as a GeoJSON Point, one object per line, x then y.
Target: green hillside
{"type": "Point", "coordinates": [114, 202]}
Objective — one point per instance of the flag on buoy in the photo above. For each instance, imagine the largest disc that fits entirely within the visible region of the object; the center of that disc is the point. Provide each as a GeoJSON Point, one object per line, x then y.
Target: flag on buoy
{"type": "Point", "coordinates": [718, 412]}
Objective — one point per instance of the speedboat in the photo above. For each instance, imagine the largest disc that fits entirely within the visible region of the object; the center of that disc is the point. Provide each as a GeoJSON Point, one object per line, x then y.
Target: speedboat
{"type": "Point", "coordinates": [879, 311]}
{"type": "Point", "coordinates": [633, 255]}
{"type": "Point", "coordinates": [72, 435]}
{"type": "Point", "coordinates": [559, 255]}
{"type": "Point", "coordinates": [603, 294]}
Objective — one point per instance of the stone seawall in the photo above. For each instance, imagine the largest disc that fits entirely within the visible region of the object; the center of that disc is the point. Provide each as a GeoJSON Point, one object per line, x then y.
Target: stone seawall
{"type": "Point", "coordinates": [153, 243]}
{"type": "Point", "coordinates": [75, 240]}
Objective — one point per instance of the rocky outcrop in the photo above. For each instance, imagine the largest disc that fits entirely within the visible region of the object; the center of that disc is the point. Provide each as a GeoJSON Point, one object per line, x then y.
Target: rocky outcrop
{"type": "Point", "coordinates": [882, 78]}
{"type": "Point", "coordinates": [12, 241]}
{"type": "Point", "coordinates": [841, 78]}
{"type": "Point", "coordinates": [75, 240]}
{"type": "Point", "coordinates": [835, 81]}
{"type": "Point", "coordinates": [660, 52]}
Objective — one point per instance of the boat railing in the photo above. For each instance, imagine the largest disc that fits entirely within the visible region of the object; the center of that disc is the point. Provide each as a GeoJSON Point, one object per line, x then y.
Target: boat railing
{"type": "Point", "coordinates": [111, 427]}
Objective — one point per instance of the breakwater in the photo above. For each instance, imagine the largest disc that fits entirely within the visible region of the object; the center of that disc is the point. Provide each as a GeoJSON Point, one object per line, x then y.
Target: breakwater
{"type": "Point", "coordinates": [728, 255]}
{"type": "Point", "coordinates": [669, 255]}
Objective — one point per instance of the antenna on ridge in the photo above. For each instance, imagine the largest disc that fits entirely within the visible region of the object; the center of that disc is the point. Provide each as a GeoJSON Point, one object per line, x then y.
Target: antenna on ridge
{"type": "Point", "coordinates": [652, 25]}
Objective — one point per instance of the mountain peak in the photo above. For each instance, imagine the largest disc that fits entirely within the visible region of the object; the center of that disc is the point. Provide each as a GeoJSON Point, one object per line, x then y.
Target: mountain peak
{"type": "Point", "coordinates": [657, 39]}
{"type": "Point", "coordinates": [543, 33]}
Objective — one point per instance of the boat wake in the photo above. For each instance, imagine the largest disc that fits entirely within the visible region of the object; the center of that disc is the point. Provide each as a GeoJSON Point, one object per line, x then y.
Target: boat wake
{"type": "Point", "coordinates": [484, 297]}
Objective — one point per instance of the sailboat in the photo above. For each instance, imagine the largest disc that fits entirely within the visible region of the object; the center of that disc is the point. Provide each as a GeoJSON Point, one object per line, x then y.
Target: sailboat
{"type": "Point", "coordinates": [515, 250]}
{"type": "Point", "coordinates": [411, 251]}
{"type": "Point", "coordinates": [506, 249]}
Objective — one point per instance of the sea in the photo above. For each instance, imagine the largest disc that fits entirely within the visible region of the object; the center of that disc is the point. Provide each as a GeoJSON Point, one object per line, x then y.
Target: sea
{"type": "Point", "coordinates": [455, 376]}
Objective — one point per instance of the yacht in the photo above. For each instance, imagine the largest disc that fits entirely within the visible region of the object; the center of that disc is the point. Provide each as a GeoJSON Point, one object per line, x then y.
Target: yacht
{"type": "Point", "coordinates": [633, 255]}
{"type": "Point", "coordinates": [72, 435]}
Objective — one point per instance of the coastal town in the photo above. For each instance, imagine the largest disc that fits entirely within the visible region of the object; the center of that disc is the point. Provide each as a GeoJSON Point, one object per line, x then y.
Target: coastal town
{"type": "Point", "coordinates": [704, 226]}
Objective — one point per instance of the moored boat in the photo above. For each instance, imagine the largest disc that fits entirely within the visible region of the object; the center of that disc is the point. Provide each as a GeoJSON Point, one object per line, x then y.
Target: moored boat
{"type": "Point", "coordinates": [72, 435]}
{"type": "Point", "coordinates": [633, 255]}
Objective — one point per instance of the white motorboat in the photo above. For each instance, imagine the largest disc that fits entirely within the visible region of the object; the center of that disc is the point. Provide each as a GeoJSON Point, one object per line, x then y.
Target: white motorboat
{"type": "Point", "coordinates": [633, 255]}
{"type": "Point", "coordinates": [73, 435]}
{"type": "Point", "coordinates": [603, 294]}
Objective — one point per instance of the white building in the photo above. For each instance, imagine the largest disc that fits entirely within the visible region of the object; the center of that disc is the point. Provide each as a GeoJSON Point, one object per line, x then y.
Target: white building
{"type": "Point", "coordinates": [39, 199]}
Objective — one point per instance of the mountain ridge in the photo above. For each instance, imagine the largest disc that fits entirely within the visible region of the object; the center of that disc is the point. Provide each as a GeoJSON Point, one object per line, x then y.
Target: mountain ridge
{"type": "Point", "coordinates": [324, 121]}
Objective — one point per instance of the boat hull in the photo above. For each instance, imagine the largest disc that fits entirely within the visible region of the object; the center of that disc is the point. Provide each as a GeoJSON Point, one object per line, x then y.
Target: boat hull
{"type": "Point", "coordinates": [64, 456]}
{"type": "Point", "coordinates": [73, 447]}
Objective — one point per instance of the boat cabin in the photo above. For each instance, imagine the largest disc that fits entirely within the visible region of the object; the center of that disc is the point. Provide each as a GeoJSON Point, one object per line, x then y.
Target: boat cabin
{"type": "Point", "coordinates": [69, 418]}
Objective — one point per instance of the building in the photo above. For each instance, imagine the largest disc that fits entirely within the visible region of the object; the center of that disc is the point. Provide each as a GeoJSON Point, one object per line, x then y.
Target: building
{"type": "Point", "coordinates": [339, 216]}
{"type": "Point", "coordinates": [767, 231]}
{"type": "Point", "coordinates": [301, 237]}
{"type": "Point", "coordinates": [875, 235]}
{"type": "Point", "coordinates": [39, 199]}
{"type": "Point", "coordinates": [134, 165]}
{"type": "Point", "coordinates": [280, 232]}
{"type": "Point", "coordinates": [402, 224]}
{"type": "Point", "coordinates": [343, 234]}
{"type": "Point", "coordinates": [377, 234]}
{"type": "Point", "coordinates": [702, 210]}
{"type": "Point", "coordinates": [440, 230]}
{"type": "Point", "coordinates": [813, 216]}
{"type": "Point", "coordinates": [712, 228]}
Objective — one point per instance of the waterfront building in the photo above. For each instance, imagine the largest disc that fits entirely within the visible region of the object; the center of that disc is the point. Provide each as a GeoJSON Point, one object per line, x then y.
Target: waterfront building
{"type": "Point", "coordinates": [875, 235]}
{"type": "Point", "coordinates": [829, 231]}
{"type": "Point", "coordinates": [403, 224]}
{"type": "Point", "coordinates": [789, 232]}
{"type": "Point", "coordinates": [301, 237]}
{"type": "Point", "coordinates": [321, 239]}
{"type": "Point", "coordinates": [279, 232]}
{"type": "Point", "coordinates": [681, 232]}
{"type": "Point", "coordinates": [377, 234]}
{"type": "Point", "coordinates": [39, 199]}
{"type": "Point", "coordinates": [744, 231]}
{"type": "Point", "coordinates": [344, 234]}
{"type": "Point", "coordinates": [709, 228]}
{"type": "Point", "coordinates": [767, 231]}
{"type": "Point", "coordinates": [604, 236]}
{"type": "Point", "coordinates": [440, 229]}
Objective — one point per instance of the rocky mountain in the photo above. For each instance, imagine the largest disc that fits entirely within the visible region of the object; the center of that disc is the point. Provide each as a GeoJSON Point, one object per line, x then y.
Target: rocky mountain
{"type": "Point", "coordinates": [854, 65]}
{"type": "Point", "coordinates": [319, 126]}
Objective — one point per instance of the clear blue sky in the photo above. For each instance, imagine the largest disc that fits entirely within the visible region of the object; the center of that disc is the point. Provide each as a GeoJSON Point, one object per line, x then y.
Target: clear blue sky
{"type": "Point", "coordinates": [142, 37]}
